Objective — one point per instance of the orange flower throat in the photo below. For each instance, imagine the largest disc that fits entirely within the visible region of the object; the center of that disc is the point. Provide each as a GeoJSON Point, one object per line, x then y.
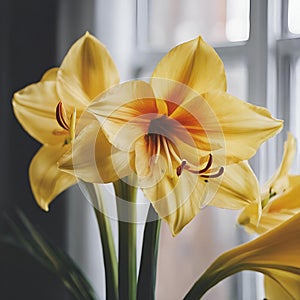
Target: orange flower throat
{"type": "Point", "coordinates": [158, 141]}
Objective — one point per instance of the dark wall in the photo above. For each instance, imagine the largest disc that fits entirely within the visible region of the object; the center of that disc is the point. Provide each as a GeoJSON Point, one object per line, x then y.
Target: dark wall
{"type": "Point", "coordinates": [28, 43]}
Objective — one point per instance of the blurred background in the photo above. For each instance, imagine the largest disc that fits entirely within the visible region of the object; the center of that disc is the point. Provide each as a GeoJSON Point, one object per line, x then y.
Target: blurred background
{"type": "Point", "coordinates": [259, 42]}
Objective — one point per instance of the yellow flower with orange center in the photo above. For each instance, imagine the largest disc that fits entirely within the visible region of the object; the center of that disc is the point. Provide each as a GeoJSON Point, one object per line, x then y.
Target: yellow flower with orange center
{"type": "Point", "coordinates": [279, 197]}
{"type": "Point", "coordinates": [49, 110]}
{"type": "Point", "coordinates": [182, 135]}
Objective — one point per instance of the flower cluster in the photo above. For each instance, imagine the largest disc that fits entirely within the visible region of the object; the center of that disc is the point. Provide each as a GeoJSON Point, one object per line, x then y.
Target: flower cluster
{"type": "Point", "coordinates": [180, 134]}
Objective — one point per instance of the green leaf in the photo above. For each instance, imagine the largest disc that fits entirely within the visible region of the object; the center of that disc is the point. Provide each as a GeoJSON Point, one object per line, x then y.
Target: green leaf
{"type": "Point", "coordinates": [107, 242]}
{"type": "Point", "coordinates": [25, 236]}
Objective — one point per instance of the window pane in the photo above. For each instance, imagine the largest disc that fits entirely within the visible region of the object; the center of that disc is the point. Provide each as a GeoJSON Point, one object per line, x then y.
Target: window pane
{"type": "Point", "coordinates": [293, 16]}
{"type": "Point", "coordinates": [218, 21]}
{"type": "Point", "coordinates": [237, 20]}
{"type": "Point", "coordinates": [237, 78]}
{"type": "Point", "coordinates": [294, 125]}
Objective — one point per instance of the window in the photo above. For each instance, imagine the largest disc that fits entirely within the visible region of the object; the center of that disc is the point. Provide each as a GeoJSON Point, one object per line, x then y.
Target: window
{"type": "Point", "coordinates": [259, 42]}
{"type": "Point", "coordinates": [172, 22]}
{"type": "Point", "coordinates": [293, 17]}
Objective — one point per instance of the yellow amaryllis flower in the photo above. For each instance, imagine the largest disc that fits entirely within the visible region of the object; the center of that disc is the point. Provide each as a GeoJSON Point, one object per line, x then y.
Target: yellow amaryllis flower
{"type": "Point", "coordinates": [280, 195]}
{"type": "Point", "coordinates": [86, 71]}
{"type": "Point", "coordinates": [280, 201]}
{"type": "Point", "coordinates": [180, 132]}
{"type": "Point", "coordinates": [276, 254]}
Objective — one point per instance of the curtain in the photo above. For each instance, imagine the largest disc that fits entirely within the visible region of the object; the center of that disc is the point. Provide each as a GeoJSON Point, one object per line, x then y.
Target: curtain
{"type": "Point", "coordinates": [34, 35]}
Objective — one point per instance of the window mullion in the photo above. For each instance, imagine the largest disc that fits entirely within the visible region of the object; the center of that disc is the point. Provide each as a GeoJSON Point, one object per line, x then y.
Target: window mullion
{"type": "Point", "coordinates": [257, 63]}
{"type": "Point", "coordinates": [234, 53]}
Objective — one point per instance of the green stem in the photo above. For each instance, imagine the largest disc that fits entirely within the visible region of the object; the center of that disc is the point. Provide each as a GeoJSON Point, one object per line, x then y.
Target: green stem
{"type": "Point", "coordinates": [109, 256]}
{"type": "Point", "coordinates": [107, 242]}
{"type": "Point", "coordinates": [147, 274]}
{"type": "Point", "coordinates": [127, 237]}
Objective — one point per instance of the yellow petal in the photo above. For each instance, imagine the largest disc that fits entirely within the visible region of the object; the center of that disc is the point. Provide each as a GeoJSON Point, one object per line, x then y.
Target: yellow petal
{"type": "Point", "coordinates": [125, 111]}
{"type": "Point", "coordinates": [294, 180]}
{"type": "Point", "coordinates": [266, 222]}
{"type": "Point", "coordinates": [280, 181]}
{"type": "Point", "coordinates": [34, 107]}
{"type": "Point", "coordinates": [274, 289]}
{"type": "Point", "coordinates": [50, 75]}
{"type": "Point", "coordinates": [170, 94]}
{"type": "Point", "coordinates": [277, 249]}
{"type": "Point", "coordinates": [279, 209]}
{"type": "Point", "coordinates": [177, 200]}
{"type": "Point", "coordinates": [239, 188]}
{"type": "Point", "coordinates": [194, 114]}
{"type": "Point", "coordinates": [94, 159]}
{"type": "Point", "coordinates": [46, 180]}
{"type": "Point", "coordinates": [275, 254]}
{"type": "Point", "coordinates": [287, 200]}
{"type": "Point", "coordinates": [284, 202]}
{"type": "Point", "coordinates": [245, 126]}
{"type": "Point", "coordinates": [86, 71]}
{"type": "Point", "coordinates": [150, 169]}
{"type": "Point", "coordinates": [195, 64]}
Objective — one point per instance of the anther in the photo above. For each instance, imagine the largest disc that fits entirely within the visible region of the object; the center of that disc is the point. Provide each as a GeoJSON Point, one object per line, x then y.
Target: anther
{"type": "Point", "coordinates": [206, 168]}
{"type": "Point", "coordinates": [208, 165]}
{"type": "Point", "coordinates": [215, 175]}
{"type": "Point", "coordinates": [180, 168]}
{"type": "Point", "coordinates": [184, 165]}
{"type": "Point", "coordinates": [61, 116]}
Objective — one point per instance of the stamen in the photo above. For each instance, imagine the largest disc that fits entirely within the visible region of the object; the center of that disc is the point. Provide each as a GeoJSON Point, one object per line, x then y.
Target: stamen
{"type": "Point", "coordinates": [72, 125]}
{"type": "Point", "coordinates": [154, 149]}
{"type": "Point", "coordinates": [61, 116]}
{"type": "Point", "coordinates": [180, 168]}
{"type": "Point", "coordinates": [157, 149]}
{"type": "Point", "coordinates": [173, 152]}
{"type": "Point", "coordinates": [148, 141]}
{"type": "Point", "coordinates": [208, 165]}
{"type": "Point", "coordinates": [184, 165]}
{"type": "Point", "coordinates": [206, 168]}
{"type": "Point", "coordinates": [166, 148]}
{"type": "Point", "coordinates": [218, 174]}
